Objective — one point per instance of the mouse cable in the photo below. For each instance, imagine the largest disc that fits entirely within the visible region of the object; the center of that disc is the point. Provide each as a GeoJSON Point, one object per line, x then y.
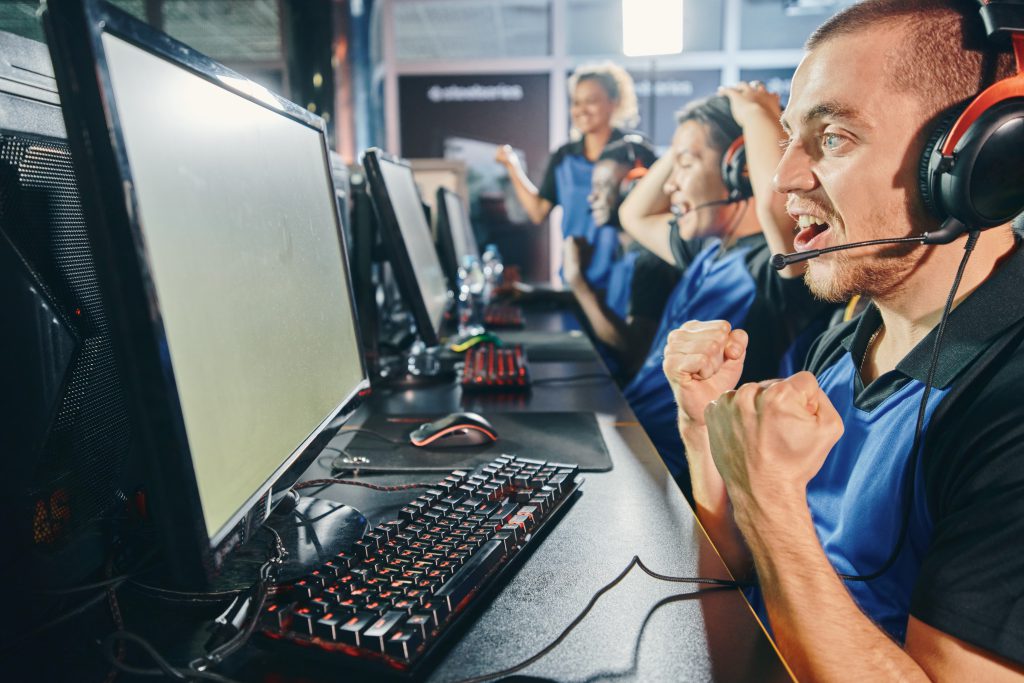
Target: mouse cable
{"type": "Point", "coordinates": [353, 482]}
{"type": "Point", "coordinates": [363, 430]}
{"type": "Point", "coordinates": [635, 562]}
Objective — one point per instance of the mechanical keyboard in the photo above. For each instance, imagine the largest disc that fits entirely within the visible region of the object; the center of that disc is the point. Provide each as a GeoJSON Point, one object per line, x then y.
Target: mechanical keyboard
{"type": "Point", "coordinates": [503, 315]}
{"type": "Point", "coordinates": [489, 367]}
{"type": "Point", "coordinates": [390, 602]}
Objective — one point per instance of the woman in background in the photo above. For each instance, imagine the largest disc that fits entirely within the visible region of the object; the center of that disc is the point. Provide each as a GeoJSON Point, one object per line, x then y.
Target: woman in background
{"type": "Point", "coordinates": [603, 102]}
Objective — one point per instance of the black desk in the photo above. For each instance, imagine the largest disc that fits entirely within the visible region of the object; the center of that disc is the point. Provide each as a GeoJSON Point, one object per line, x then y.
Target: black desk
{"type": "Point", "coordinates": [636, 509]}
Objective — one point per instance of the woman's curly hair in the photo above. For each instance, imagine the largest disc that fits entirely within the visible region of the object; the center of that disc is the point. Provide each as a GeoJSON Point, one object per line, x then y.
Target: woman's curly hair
{"type": "Point", "coordinates": [619, 86]}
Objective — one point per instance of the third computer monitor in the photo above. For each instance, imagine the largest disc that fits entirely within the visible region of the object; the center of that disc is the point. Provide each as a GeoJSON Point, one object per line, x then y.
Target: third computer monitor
{"type": "Point", "coordinates": [455, 238]}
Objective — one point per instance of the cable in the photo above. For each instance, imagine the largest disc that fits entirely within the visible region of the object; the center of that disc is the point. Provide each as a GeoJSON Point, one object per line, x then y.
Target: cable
{"type": "Point", "coordinates": [635, 562]}
{"type": "Point", "coordinates": [115, 580]}
{"type": "Point", "coordinates": [164, 668]}
{"type": "Point", "coordinates": [361, 469]}
{"type": "Point", "coordinates": [910, 469]}
{"type": "Point", "coordinates": [371, 432]}
{"type": "Point", "coordinates": [186, 596]}
{"type": "Point", "coordinates": [306, 521]}
{"type": "Point", "coordinates": [83, 607]}
{"type": "Point", "coordinates": [572, 378]}
{"type": "Point", "coordinates": [374, 487]}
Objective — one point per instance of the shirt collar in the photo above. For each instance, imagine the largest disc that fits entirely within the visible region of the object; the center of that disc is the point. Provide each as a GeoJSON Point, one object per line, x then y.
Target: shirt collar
{"type": "Point", "coordinates": [972, 326]}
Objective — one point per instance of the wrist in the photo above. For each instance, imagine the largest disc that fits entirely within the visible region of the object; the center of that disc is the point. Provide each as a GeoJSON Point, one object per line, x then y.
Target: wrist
{"type": "Point", "coordinates": [771, 511]}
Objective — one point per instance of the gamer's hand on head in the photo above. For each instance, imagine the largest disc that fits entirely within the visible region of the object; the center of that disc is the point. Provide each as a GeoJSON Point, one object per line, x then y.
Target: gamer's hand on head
{"type": "Point", "coordinates": [768, 439]}
{"type": "Point", "coordinates": [702, 361]}
{"type": "Point", "coordinates": [506, 156]}
{"type": "Point", "coordinates": [751, 99]}
{"type": "Point", "coordinates": [576, 253]}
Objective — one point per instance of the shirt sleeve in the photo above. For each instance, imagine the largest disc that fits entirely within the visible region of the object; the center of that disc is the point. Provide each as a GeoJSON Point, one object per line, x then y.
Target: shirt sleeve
{"type": "Point", "coordinates": [971, 582]}
{"type": "Point", "coordinates": [653, 280]}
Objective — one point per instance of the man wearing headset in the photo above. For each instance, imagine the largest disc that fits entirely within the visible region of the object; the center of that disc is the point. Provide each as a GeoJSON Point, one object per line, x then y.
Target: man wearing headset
{"type": "Point", "coordinates": [871, 563]}
{"type": "Point", "coordinates": [718, 243]}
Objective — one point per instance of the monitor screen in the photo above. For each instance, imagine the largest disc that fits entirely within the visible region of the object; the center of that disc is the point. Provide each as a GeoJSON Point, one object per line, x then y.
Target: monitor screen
{"type": "Point", "coordinates": [460, 226]}
{"type": "Point", "coordinates": [411, 246]}
{"type": "Point", "coordinates": [222, 255]}
{"type": "Point", "coordinates": [236, 209]}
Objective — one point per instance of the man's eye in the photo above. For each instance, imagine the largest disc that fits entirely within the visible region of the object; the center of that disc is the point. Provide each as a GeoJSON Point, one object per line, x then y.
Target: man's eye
{"type": "Point", "coordinates": [830, 142]}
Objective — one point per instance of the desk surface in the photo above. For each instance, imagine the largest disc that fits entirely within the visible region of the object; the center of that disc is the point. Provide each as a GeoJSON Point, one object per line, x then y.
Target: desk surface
{"type": "Point", "coordinates": [635, 509]}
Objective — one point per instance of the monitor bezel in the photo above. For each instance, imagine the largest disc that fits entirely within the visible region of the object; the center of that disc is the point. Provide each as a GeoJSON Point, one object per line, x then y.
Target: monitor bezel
{"type": "Point", "coordinates": [445, 240]}
{"type": "Point", "coordinates": [397, 249]}
{"type": "Point", "coordinates": [74, 31]}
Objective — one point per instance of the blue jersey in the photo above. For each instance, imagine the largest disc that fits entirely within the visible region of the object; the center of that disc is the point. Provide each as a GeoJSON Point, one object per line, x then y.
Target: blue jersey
{"type": "Point", "coordinates": [961, 569]}
{"type": "Point", "coordinates": [567, 183]}
{"type": "Point", "coordinates": [737, 285]}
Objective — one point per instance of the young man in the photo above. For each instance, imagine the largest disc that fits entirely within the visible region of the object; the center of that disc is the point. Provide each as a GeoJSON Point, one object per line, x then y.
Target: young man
{"type": "Point", "coordinates": [620, 286]}
{"type": "Point", "coordinates": [807, 480]}
{"type": "Point", "coordinates": [725, 266]}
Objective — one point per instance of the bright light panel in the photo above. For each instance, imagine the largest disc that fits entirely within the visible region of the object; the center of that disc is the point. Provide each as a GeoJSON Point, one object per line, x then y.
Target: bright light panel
{"type": "Point", "coordinates": [652, 27]}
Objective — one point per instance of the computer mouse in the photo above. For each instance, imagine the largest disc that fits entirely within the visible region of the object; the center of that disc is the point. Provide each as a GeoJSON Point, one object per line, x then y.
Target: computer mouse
{"type": "Point", "coordinates": [454, 431]}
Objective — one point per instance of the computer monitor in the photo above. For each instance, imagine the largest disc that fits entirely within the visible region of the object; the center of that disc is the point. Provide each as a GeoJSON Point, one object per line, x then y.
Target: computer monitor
{"type": "Point", "coordinates": [220, 251]}
{"type": "Point", "coordinates": [406, 235]}
{"type": "Point", "coordinates": [455, 238]}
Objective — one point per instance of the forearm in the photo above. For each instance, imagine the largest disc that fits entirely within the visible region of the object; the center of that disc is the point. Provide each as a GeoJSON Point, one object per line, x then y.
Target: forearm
{"type": "Point", "coordinates": [712, 502]}
{"type": "Point", "coordinates": [537, 208]}
{"type": "Point", "coordinates": [761, 139]}
{"type": "Point", "coordinates": [607, 326]}
{"type": "Point", "coordinates": [646, 211]}
{"type": "Point", "coordinates": [821, 632]}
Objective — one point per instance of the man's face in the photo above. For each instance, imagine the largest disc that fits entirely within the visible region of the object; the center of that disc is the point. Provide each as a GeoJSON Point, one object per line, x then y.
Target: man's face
{"type": "Point", "coordinates": [604, 191]}
{"type": "Point", "coordinates": [696, 176]}
{"type": "Point", "coordinates": [850, 166]}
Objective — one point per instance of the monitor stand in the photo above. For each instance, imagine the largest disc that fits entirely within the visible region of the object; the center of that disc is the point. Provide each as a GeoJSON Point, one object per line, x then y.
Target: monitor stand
{"type": "Point", "coordinates": [420, 366]}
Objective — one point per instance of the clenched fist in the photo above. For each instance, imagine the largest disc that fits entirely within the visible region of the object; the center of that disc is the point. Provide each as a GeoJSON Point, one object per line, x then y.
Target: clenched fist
{"type": "Point", "coordinates": [772, 437]}
{"type": "Point", "coordinates": [703, 360]}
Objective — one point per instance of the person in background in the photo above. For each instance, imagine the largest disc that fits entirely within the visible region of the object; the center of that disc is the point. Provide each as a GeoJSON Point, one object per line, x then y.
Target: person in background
{"type": "Point", "coordinates": [883, 521]}
{"type": "Point", "coordinates": [603, 104]}
{"type": "Point", "coordinates": [620, 286]}
{"type": "Point", "coordinates": [718, 244]}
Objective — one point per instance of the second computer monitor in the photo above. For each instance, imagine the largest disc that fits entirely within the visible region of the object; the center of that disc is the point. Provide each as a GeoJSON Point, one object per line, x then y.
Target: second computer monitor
{"type": "Point", "coordinates": [407, 237]}
{"type": "Point", "coordinates": [455, 238]}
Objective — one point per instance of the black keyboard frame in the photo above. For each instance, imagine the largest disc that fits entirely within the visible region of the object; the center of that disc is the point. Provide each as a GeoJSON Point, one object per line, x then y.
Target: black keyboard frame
{"type": "Point", "coordinates": [456, 623]}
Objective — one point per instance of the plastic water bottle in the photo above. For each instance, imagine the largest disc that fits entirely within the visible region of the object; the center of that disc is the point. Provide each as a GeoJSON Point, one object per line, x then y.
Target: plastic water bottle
{"type": "Point", "coordinates": [493, 269]}
{"type": "Point", "coordinates": [470, 301]}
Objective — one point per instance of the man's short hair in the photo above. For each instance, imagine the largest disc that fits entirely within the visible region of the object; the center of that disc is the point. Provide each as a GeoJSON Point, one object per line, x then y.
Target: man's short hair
{"type": "Point", "coordinates": [944, 56]}
{"type": "Point", "coordinates": [631, 153]}
{"type": "Point", "coordinates": [716, 115]}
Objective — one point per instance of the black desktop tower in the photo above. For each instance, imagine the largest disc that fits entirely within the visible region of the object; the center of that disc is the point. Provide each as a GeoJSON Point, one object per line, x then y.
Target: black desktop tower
{"type": "Point", "coordinates": [64, 429]}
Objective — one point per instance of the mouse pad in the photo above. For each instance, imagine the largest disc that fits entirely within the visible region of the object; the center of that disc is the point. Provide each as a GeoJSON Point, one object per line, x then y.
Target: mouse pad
{"type": "Point", "coordinates": [573, 438]}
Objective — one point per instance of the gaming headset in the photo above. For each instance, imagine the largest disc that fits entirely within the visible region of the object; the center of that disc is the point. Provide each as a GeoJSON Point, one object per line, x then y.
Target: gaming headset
{"type": "Point", "coordinates": [735, 173]}
{"type": "Point", "coordinates": [971, 173]}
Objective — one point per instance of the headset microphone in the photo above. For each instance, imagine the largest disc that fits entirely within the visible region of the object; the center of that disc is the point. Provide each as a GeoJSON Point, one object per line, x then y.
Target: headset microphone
{"type": "Point", "coordinates": [950, 230]}
{"type": "Point", "coordinates": [679, 213]}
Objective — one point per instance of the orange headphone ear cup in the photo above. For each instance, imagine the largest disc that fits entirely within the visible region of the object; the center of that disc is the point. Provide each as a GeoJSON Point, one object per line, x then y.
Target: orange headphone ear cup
{"type": "Point", "coordinates": [982, 183]}
{"type": "Point", "coordinates": [735, 174]}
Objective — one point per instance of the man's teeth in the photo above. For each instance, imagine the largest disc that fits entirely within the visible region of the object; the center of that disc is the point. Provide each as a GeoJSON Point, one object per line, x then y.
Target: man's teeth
{"type": "Point", "coordinates": [806, 221]}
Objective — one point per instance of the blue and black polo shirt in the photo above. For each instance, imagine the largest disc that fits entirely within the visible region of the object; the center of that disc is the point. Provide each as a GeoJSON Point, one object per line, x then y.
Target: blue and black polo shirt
{"type": "Point", "coordinates": [736, 284]}
{"type": "Point", "coordinates": [961, 569]}
{"type": "Point", "coordinates": [567, 183]}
